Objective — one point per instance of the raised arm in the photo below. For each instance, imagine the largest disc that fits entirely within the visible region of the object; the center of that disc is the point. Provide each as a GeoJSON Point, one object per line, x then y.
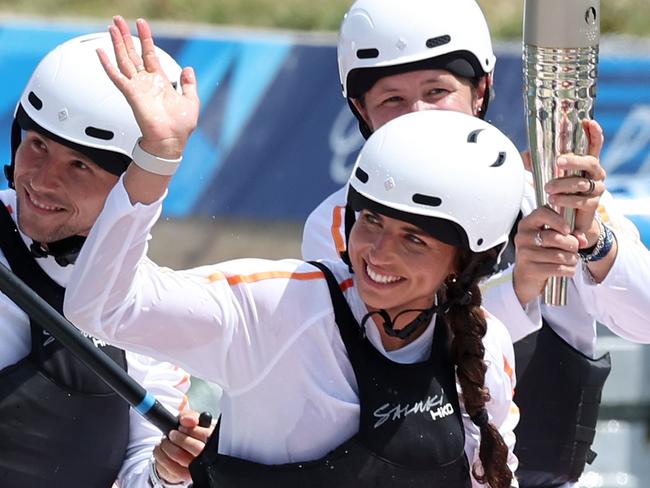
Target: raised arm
{"type": "Point", "coordinates": [612, 290]}
{"type": "Point", "coordinates": [165, 116]}
{"type": "Point", "coordinates": [546, 246]}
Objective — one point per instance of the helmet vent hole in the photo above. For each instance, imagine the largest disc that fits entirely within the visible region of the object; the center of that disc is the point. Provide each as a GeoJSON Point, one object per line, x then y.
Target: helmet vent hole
{"type": "Point", "coordinates": [438, 41]}
{"type": "Point", "coordinates": [479, 242]}
{"type": "Point", "coordinates": [473, 136]}
{"type": "Point", "coordinates": [427, 200]}
{"type": "Point", "coordinates": [36, 102]}
{"type": "Point", "coordinates": [174, 85]}
{"type": "Point", "coordinates": [361, 175]}
{"type": "Point", "coordinates": [104, 135]}
{"type": "Point", "coordinates": [501, 158]}
{"type": "Point", "coordinates": [367, 53]}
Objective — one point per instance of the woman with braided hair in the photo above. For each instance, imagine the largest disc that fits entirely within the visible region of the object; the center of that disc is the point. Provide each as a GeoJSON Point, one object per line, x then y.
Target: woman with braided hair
{"type": "Point", "coordinates": [397, 57]}
{"type": "Point", "coordinates": [380, 372]}
{"type": "Point", "coordinates": [469, 326]}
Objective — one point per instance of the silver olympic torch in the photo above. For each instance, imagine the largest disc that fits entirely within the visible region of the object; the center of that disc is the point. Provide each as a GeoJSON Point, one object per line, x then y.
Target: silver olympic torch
{"type": "Point", "coordinates": [560, 69]}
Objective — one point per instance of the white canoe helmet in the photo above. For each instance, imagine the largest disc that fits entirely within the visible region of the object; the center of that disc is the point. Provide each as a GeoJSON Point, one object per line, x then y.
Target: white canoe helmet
{"type": "Point", "coordinates": [455, 176]}
{"type": "Point", "coordinates": [378, 36]}
{"type": "Point", "coordinates": [70, 99]}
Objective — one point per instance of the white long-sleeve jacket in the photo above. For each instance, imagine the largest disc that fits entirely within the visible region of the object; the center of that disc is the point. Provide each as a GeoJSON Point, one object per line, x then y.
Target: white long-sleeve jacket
{"type": "Point", "coordinates": [263, 330]}
{"type": "Point", "coordinates": [167, 382]}
{"type": "Point", "coordinates": [620, 302]}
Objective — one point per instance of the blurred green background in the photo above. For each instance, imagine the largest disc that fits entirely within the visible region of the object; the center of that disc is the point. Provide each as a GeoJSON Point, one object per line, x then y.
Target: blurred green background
{"type": "Point", "coordinates": [504, 16]}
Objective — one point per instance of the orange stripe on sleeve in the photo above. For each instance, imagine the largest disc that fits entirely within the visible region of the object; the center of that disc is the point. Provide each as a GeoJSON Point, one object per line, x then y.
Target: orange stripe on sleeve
{"type": "Point", "coordinates": [510, 372]}
{"type": "Point", "coordinates": [337, 218]}
{"type": "Point", "coordinates": [269, 275]}
{"type": "Point", "coordinates": [184, 380]}
{"type": "Point", "coordinates": [184, 403]}
{"type": "Point", "coordinates": [266, 275]}
{"type": "Point", "coordinates": [508, 369]}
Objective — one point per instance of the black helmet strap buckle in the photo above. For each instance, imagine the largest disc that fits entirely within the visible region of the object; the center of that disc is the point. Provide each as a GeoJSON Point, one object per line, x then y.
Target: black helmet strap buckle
{"type": "Point", "coordinates": [64, 251]}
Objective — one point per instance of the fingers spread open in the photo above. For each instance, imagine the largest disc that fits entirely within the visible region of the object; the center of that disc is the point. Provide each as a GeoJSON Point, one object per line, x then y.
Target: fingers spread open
{"type": "Point", "coordinates": [113, 73]}
{"type": "Point", "coordinates": [189, 85]}
{"type": "Point", "coordinates": [130, 52]}
{"type": "Point", "coordinates": [149, 55]}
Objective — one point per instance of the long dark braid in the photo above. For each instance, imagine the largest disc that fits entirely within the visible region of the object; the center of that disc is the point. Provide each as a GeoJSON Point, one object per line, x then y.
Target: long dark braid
{"type": "Point", "coordinates": [468, 327]}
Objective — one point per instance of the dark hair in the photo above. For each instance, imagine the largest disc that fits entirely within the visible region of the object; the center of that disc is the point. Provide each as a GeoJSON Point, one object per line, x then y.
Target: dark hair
{"type": "Point", "coordinates": [468, 327]}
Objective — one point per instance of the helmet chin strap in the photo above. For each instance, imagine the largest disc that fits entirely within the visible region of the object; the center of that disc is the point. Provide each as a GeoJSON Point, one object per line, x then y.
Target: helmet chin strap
{"type": "Point", "coordinates": [64, 251]}
{"type": "Point", "coordinates": [423, 318]}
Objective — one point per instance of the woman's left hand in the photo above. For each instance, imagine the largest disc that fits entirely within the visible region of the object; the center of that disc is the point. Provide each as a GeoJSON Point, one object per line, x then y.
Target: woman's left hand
{"type": "Point", "coordinates": [176, 451]}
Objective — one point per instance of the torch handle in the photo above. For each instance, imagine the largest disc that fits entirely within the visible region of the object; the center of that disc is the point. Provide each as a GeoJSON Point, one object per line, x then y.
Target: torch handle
{"type": "Point", "coordinates": [560, 94]}
{"type": "Point", "coordinates": [556, 288]}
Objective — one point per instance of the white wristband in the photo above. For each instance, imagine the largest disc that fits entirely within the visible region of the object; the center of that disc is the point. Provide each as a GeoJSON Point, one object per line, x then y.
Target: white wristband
{"type": "Point", "coordinates": [154, 164]}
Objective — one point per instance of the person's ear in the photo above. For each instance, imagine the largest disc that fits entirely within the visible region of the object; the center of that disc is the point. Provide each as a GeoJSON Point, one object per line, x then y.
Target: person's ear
{"type": "Point", "coordinates": [483, 89]}
{"type": "Point", "coordinates": [360, 107]}
{"type": "Point", "coordinates": [451, 279]}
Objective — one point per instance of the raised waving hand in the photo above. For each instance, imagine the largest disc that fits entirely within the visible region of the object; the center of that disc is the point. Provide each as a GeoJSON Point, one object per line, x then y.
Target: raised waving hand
{"type": "Point", "coordinates": [166, 116]}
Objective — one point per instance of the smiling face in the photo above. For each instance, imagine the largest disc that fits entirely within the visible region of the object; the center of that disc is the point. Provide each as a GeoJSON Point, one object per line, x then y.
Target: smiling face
{"type": "Point", "coordinates": [397, 265]}
{"type": "Point", "coordinates": [413, 91]}
{"type": "Point", "coordinates": [59, 191]}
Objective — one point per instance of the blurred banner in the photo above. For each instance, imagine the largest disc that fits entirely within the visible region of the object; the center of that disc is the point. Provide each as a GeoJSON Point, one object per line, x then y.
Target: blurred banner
{"type": "Point", "coordinates": [275, 135]}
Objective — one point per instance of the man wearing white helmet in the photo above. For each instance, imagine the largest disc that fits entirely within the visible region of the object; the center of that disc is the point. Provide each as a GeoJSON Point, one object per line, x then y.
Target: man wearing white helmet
{"type": "Point", "coordinates": [330, 378]}
{"type": "Point", "coordinates": [72, 137]}
{"type": "Point", "coordinates": [401, 57]}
